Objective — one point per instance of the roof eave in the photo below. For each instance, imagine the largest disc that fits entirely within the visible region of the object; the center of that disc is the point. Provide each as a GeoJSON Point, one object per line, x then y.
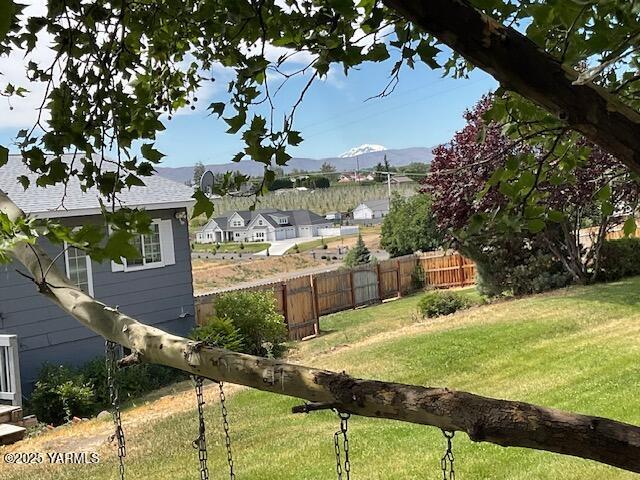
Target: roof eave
{"type": "Point", "coordinates": [82, 212]}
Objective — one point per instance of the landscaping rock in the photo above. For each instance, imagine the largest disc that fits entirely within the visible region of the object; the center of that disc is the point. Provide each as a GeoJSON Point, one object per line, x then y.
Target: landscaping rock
{"type": "Point", "coordinates": [103, 415]}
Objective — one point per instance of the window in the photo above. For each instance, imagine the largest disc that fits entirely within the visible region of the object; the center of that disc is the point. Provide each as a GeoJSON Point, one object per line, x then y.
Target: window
{"type": "Point", "coordinates": [156, 249]}
{"type": "Point", "coordinates": [78, 265]}
{"type": "Point", "coordinates": [260, 222]}
{"type": "Point", "coordinates": [149, 247]}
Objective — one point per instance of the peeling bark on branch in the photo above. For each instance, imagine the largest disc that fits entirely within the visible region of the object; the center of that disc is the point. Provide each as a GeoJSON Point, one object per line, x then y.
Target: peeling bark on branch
{"type": "Point", "coordinates": [523, 67]}
{"type": "Point", "coordinates": [484, 419]}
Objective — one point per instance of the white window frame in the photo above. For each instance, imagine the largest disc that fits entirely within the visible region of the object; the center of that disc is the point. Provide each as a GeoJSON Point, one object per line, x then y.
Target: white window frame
{"type": "Point", "coordinates": [145, 265]}
{"type": "Point", "coordinates": [87, 259]}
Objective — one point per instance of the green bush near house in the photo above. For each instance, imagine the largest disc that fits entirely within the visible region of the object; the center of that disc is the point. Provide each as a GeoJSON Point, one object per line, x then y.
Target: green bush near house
{"type": "Point", "coordinates": [619, 258]}
{"type": "Point", "coordinates": [439, 302]}
{"type": "Point", "coordinates": [257, 320]}
{"type": "Point", "coordinates": [60, 394]}
{"type": "Point", "coordinates": [220, 332]}
{"type": "Point", "coordinates": [132, 381]}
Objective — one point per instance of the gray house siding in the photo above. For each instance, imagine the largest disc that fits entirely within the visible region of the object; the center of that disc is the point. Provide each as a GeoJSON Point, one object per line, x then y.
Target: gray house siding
{"type": "Point", "coordinates": [160, 296]}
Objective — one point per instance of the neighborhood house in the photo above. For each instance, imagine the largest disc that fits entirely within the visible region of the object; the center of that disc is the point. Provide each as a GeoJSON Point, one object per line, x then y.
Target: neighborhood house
{"type": "Point", "coordinates": [262, 226]}
{"type": "Point", "coordinates": [371, 210]}
{"type": "Point", "coordinates": [156, 289]}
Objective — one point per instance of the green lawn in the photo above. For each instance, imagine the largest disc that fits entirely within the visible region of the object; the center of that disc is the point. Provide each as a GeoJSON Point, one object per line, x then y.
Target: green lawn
{"type": "Point", "coordinates": [575, 349]}
{"type": "Point", "coordinates": [313, 244]}
{"type": "Point", "coordinates": [230, 247]}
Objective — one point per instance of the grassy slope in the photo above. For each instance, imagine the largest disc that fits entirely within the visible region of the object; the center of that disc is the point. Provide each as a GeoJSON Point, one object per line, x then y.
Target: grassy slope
{"type": "Point", "coordinates": [576, 349]}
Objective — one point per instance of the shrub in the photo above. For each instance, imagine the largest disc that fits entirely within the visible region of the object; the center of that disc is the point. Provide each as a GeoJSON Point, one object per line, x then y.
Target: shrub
{"type": "Point", "coordinates": [255, 316]}
{"type": "Point", "coordinates": [437, 303]}
{"type": "Point", "coordinates": [61, 393]}
{"type": "Point", "coordinates": [220, 332]}
{"type": "Point", "coordinates": [619, 258]}
{"type": "Point", "coordinates": [132, 381]}
{"type": "Point", "coordinates": [513, 264]}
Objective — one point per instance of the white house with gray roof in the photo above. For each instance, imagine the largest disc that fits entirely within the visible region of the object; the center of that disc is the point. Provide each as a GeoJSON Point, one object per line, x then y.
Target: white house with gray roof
{"type": "Point", "coordinates": [266, 225]}
{"type": "Point", "coordinates": [371, 210]}
{"type": "Point", "coordinates": [157, 288]}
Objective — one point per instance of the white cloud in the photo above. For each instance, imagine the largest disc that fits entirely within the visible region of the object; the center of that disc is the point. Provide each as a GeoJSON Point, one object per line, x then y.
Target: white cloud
{"type": "Point", "coordinates": [13, 70]}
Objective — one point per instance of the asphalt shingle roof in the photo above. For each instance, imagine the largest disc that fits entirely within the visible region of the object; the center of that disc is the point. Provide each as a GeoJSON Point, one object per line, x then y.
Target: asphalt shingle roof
{"type": "Point", "coordinates": [158, 193]}
{"type": "Point", "coordinates": [382, 204]}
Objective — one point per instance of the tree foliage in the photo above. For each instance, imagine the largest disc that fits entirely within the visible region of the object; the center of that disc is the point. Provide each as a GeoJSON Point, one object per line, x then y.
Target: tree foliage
{"type": "Point", "coordinates": [358, 255]}
{"type": "Point", "coordinates": [121, 70]}
{"type": "Point", "coordinates": [198, 171]}
{"type": "Point", "coordinates": [410, 226]}
{"type": "Point", "coordinates": [480, 182]}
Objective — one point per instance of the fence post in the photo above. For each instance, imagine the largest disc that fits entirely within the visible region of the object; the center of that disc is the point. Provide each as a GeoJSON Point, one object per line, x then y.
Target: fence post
{"type": "Point", "coordinates": [316, 309]}
{"type": "Point", "coordinates": [461, 268]}
{"type": "Point", "coordinates": [285, 305]}
{"type": "Point", "coordinates": [379, 281]}
{"type": "Point", "coordinates": [353, 289]}
{"type": "Point", "coordinates": [398, 278]}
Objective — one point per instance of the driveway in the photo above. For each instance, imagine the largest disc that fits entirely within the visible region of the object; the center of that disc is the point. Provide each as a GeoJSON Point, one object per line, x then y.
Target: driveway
{"type": "Point", "coordinates": [278, 247]}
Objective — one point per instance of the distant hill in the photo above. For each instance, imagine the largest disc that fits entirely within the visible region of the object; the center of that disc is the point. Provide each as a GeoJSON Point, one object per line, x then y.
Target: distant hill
{"type": "Point", "coordinates": [396, 158]}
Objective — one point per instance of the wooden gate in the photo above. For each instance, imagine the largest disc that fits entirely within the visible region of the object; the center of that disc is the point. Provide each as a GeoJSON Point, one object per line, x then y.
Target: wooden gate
{"type": "Point", "coordinates": [300, 313]}
{"type": "Point", "coordinates": [365, 285]}
{"type": "Point", "coordinates": [333, 291]}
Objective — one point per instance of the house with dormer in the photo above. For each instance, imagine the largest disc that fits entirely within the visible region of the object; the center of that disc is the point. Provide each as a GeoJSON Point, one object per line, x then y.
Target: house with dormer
{"type": "Point", "coordinates": [265, 225]}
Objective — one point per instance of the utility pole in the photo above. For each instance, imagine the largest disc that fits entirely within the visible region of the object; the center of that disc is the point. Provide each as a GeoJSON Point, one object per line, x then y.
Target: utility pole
{"type": "Point", "coordinates": [389, 185]}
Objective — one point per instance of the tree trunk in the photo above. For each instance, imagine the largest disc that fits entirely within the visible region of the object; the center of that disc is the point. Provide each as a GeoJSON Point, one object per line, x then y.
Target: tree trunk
{"type": "Point", "coordinates": [523, 67]}
{"type": "Point", "coordinates": [485, 419]}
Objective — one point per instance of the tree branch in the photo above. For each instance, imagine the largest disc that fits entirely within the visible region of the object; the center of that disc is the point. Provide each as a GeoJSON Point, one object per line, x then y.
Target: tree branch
{"type": "Point", "coordinates": [501, 422]}
{"type": "Point", "coordinates": [523, 67]}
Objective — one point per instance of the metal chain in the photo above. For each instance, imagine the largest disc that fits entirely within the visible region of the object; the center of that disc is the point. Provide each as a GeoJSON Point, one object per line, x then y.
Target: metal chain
{"type": "Point", "coordinates": [110, 358]}
{"type": "Point", "coordinates": [446, 462]}
{"type": "Point", "coordinates": [227, 436]}
{"type": "Point", "coordinates": [201, 442]}
{"type": "Point", "coordinates": [344, 427]}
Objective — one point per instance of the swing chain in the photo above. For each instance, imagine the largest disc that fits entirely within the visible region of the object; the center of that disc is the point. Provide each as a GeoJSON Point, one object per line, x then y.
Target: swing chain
{"type": "Point", "coordinates": [344, 427]}
{"type": "Point", "coordinates": [110, 356]}
{"type": "Point", "coordinates": [201, 443]}
{"type": "Point", "coordinates": [446, 463]}
{"type": "Point", "coordinates": [225, 425]}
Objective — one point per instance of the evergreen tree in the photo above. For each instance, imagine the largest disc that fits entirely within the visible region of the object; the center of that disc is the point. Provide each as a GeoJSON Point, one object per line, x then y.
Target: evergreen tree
{"type": "Point", "coordinates": [358, 255]}
{"type": "Point", "coordinates": [198, 171]}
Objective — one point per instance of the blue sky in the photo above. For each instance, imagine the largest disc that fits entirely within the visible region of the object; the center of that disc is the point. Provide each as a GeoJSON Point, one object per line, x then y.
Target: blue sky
{"type": "Point", "coordinates": [424, 110]}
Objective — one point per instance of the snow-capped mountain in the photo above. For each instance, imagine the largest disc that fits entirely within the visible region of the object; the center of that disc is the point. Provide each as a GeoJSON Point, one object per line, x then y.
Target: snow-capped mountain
{"type": "Point", "coordinates": [362, 149]}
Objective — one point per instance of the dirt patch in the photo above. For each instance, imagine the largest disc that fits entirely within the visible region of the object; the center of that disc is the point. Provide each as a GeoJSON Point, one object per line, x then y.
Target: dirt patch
{"type": "Point", "coordinates": [370, 236]}
{"type": "Point", "coordinates": [211, 274]}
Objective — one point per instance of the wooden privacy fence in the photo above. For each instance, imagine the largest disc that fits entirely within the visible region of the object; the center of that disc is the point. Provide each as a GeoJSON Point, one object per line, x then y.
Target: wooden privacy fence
{"type": "Point", "coordinates": [303, 300]}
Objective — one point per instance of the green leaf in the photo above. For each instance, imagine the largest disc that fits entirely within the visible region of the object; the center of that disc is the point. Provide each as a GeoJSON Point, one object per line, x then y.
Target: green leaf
{"type": "Point", "coordinates": [629, 227]}
{"type": "Point", "coordinates": [427, 54]}
{"type": "Point", "coordinates": [237, 122]}
{"type": "Point", "coordinates": [378, 53]}
{"type": "Point", "coordinates": [132, 180]}
{"type": "Point", "coordinates": [606, 208]}
{"type": "Point", "coordinates": [24, 181]}
{"type": "Point", "coordinates": [151, 153]}
{"type": "Point", "coordinates": [217, 107]}
{"type": "Point", "coordinates": [535, 225]}
{"type": "Point", "coordinates": [203, 205]}
{"type": "Point", "coordinates": [294, 138]}
{"type": "Point", "coordinates": [4, 155]}
{"type": "Point", "coordinates": [7, 11]}
{"type": "Point", "coordinates": [555, 216]}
